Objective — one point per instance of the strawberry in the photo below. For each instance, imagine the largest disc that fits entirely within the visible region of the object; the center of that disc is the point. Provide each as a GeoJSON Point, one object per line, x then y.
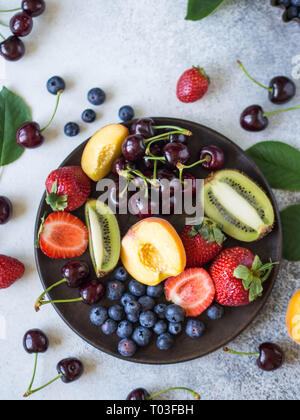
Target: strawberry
{"type": "Point", "coordinates": [202, 243]}
{"type": "Point", "coordinates": [192, 85]}
{"type": "Point", "coordinates": [63, 235]}
{"type": "Point", "coordinates": [10, 271]}
{"type": "Point", "coordinates": [238, 276]}
{"type": "Point", "coordinates": [68, 188]}
{"type": "Point", "coordinates": [193, 290]}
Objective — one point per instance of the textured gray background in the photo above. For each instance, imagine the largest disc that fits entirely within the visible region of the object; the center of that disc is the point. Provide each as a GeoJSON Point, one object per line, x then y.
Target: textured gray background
{"type": "Point", "coordinates": [136, 50]}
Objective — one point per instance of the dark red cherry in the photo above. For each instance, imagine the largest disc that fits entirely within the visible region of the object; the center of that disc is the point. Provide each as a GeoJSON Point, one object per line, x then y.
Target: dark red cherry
{"type": "Point", "coordinates": [271, 357]}
{"type": "Point", "coordinates": [189, 186]}
{"type": "Point", "coordinates": [143, 207]}
{"type": "Point", "coordinates": [71, 369]}
{"type": "Point", "coordinates": [35, 341]}
{"type": "Point", "coordinates": [133, 148]}
{"type": "Point", "coordinates": [155, 150]}
{"type": "Point", "coordinates": [216, 156]}
{"type": "Point", "coordinates": [121, 165]}
{"type": "Point", "coordinates": [34, 8]}
{"type": "Point", "coordinates": [253, 119]}
{"type": "Point", "coordinates": [12, 49]}
{"type": "Point", "coordinates": [92, 292]}
{"type": "Point", "coordinates": [176, 153]}
{"type": "Point", "coordinates": [138, 394]}
{"type": "Point", "coordinates": [143, 127]}
{"type": "Point", "coordinates": [21, 24]}
{"type": "Point", "coordinates": [283, 90]}
{"type": "Point", "coordinates": [29, 135]}
{"type": "Point", "coordinates": [5, 210]}
{"type": "Point", "coordinates": [178, 138]}
{"type": "Point", "coordinates": [76, 273]}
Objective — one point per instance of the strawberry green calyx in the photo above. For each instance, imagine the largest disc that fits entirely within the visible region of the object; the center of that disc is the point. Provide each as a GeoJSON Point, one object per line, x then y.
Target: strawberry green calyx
{"type": "Point", "coordinates": [209, 231]}
{"type": "Point", "coordinates": [203, 72]}
{"type": "Point", "coordinates": [56, 202]}
{"type": "Point", "coordinates": [254, 278]}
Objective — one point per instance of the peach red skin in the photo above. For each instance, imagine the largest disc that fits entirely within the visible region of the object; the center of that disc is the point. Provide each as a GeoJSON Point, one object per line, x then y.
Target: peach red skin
{"type": "Point", "coordinates": [10, 271]}
{"type": "Point", "coordinates": [229, 289]}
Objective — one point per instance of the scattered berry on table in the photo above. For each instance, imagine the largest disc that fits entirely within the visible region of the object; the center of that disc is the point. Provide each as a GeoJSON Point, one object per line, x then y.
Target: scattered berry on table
{"type": "Point", "coordinates": [35, 341]}
{"type": "Point", "coordinates": [109, 327]}
{"type": "Point", "coordinates": [192, 85]}
{"type": "Point", "coordinates": [215, 312]}
{"type": "Point", "coordinates": [72, 129]}
{"type": "Point", "coordinates": [142, 336]}
{"type": "Point", "coordinates": [126, 298]}
{"type": "Point", "coordinates": [29, 135]}
{"type": "Point", "coordinates": [12, 49]}
{"type": "Point", "coordinates": [165, 341]}
{"type": "Point", "coordinates": [292, 12]}
{"type": "Point", "coordinates": [98, 316]}
{"type": "Point", "coordinates": [137, 289]}
{"type": "Point", "coordinates": [175, 313]}
{"type": "Point", "coordinates": [125, 329]}
{"type": "Point", "coordinates": [155, 291]}
{"type": "Point", "coordinates": [126, 113]}
{"type": "Point", "coordinates": [115, 290]}
{"type": "Point", "coordinates": [147, 303]}
{"type": "Point", "coordinates": [55, 84]}
{"type": "Point", "coordinates": [96, 96]}
{"type": "Point", "coordinates": [116, 312]}
{"type": "Point", "coordinates": [148, 319]}
{"type": "Point", "coordinates": [195, 328]}
{"type": "Point", "coordinates": [21, 24]}
{"type": "Point", "coordinates": [175, 328]}
{"type": "Point", "coordinates": [120, 274]}
{"type": "Point", "coordinates": [89, 116]}
{"type": "Point", "coordinates": [34, 8]}
{"type": "Point", "coordinates": [71, 370]}
{"type": "Point", "coordinates": [10, 271]}
{"type": "Point", "coordinates": [160, 327]}
{"type": "Point", "coordinates": [5, 210]}
{"type": "Point", "coordinates": [127, 347]}
{"type": "Point", "coordinates": [160, 310]}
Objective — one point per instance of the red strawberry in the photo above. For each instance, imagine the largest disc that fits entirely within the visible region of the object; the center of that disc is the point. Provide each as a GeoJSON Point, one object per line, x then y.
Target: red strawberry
{"type": "Point", "coordinates": [193, 290]}
{"type": "Point", "coordinates": [192, 85]}
{"type": "Point", "coordinates": [202, 243]}
{"type": "Point", "coordinates": [63, 235]}
{"type": "Point", "coordinates": [10, 271]}
{"type": "Point", "coordinates": [238, 276]}
{"type": "Point", "coordinates": [68, 188]}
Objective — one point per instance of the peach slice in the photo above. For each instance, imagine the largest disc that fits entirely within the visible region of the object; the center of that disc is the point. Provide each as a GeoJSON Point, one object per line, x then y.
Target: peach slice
{"type": "Point", "coordinates": [152, 251]}
{"type": "Point", "coordinates": [102, 150]}
{"type": "Point", "coordinates": [293, 318]}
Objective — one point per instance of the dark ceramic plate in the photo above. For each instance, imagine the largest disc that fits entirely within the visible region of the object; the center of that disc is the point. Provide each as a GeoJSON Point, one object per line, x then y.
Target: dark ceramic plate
{"type": "Point", "coordinates": [218, 333]}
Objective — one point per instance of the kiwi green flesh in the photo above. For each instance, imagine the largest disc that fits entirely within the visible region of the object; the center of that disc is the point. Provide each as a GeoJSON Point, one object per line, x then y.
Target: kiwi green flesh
{"type": "Point", "coordinates": [239, 205]}
{"type": "Point", "coordinates": [104, 239]}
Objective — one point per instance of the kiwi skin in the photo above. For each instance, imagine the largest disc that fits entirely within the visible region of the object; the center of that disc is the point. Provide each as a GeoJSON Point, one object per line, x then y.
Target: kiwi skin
{"type": "Point", "coordinates": [265, 230]}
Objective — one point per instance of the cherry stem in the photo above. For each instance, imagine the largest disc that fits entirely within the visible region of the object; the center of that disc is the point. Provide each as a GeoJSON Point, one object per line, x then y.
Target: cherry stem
{"type": "Point", "coordinates": [281, 110]}
{"type": "Point", "coordinates": [11, 10]}
{"type": "Point", "coordinates": [33, 376]}
{"type": "Point", "coordinates": [238, 353]}
{"type": "Point", "coordinates": [30, 392]}
{"type": "Point", "coordinates": [54, 113]}
{"type": "Point", "coordinates": [155, 170]}
{"type": "Point", "coordinates": [61, 301]}
{"type": "Point", "coordinates": [2, 36]}
{"type": "Point", "coordinates": [182, 167]}
{"type": "Point", "coordinates": [251, 78]}
{"type": "Point", "coordinates": [4, 24]}
{"type": "Point", "coordinates": [40, 299]}
{"type": "Point", "coordinates": [195, 394]}
{"type": "Point", "coordinates": [166, 135]}
{"type": "Point", "coordinates": [167, 127]}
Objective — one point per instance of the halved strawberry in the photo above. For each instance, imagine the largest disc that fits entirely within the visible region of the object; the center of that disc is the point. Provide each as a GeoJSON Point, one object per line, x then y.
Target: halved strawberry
{"type": "Point", "coordinates": [193, 290]}
{"type": "Point", "coordinates": [63, 235]}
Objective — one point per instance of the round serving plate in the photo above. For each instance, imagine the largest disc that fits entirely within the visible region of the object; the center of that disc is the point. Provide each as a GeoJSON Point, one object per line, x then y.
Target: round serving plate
{"type": "Point", "coordinates": [218, 334]}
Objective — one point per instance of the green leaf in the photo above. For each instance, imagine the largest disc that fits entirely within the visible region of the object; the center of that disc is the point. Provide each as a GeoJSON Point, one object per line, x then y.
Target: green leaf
{"type": "Point", "coordinates": [279, 162]}
{"type": "Point", "coordinates": [290, 219]}
{"type": "Point", "coordinates": [199, 9]}
{"type": "Point", "coordinates": [13, 113]}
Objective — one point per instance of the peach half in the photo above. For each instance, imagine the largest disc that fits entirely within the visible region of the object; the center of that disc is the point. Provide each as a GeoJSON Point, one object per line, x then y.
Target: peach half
{"type": "Point", "coordinates": [152, 251]}
{"type": "Point", "coordinates": [293, 318]}
{"type": "Point", "coordinates": [102, 150]}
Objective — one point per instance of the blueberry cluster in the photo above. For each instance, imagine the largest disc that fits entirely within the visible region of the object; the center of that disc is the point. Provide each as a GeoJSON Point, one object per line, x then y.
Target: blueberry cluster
{"type": "Point", "coordinates": [138, 312]}
{"type": "Point", "coordinates": [292, 6]}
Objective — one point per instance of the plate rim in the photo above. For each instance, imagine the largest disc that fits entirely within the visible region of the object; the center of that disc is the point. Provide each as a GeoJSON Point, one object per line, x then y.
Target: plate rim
{"type": "Point", "coordinates": [265, 297]}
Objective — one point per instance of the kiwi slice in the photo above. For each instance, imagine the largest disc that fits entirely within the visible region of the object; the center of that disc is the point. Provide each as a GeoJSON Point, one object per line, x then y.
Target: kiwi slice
{"type": "Point", "coordinates": [105, 237]}
{"type": "Point", "coordinates": [238, 205]}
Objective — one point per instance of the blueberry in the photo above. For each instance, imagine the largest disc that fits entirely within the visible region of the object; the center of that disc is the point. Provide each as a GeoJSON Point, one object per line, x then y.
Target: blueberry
{"type": "Point", "coordinates": [160, 310]}
{"type": "Point", "coordinates": [160, 327]}
{"type": "Point", "coordinates": [148, 319]}
{"type": "Point", "coordinates": [71, 129]}
{"type": "Point", "coordinates": [134, 318]}
{"type": "Point", "coordinates": [98, 315]}
{"type": "Point", "coordinates": [125, 329]}
{"type": "Point", "coordinates": [147, 303]}
{"type": "Point", "coordinates": [215, 312]}
{"type": "Point", "coordinates": [175, 313]}
{"type": "Point", "coordinates": [55, 84]}
{"type": "Point", "coordinates": [115, 290]}
{"type": "Point", "coordinates": [285, 3]}
{"type": "Point", "coordinates": [126, 113]}
{"type": "Point", "coordinates": [120, 274]}
{"type": "Point", "coordinates": [142, 336]}
{"type": "Point", "coordinates": [109, 327]}
{"type": "Point", "coordinates": [126, 298]}
{"type": "Point", "coordinates": [165, 341]}
{"type": "Point", "coordinates": [136, 288]}
{"type": "Point", "coordinates": [175, 328]}
{"type": "Point", "coordinates": [116, 312]}
{"type": "Point", "coordinates": [292, 12]}
{"type": "Point", "coordinates": [155, 291]}
{"type": "Point", "coordinates": [195, 328]}
{"type": "Point", "coordinates": [96, 96]}
{"type": "Point", "coordinates": [89, 116]}
{"type": "Point", "coordinates": [133, 308]}
{"type": "Point", "coordinates": [295, 3]}
{"type": "Point", "coordinates": [127, 347]}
